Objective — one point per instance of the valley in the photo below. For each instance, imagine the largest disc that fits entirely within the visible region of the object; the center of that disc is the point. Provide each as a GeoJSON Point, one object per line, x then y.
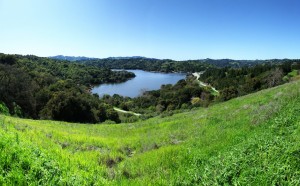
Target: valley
{"type": "Point", "coordinates": [149, 93]}
{"type": "Point", "coordinates": [186, 133]}
{"type": "Point", "coordinates": [245, 140]}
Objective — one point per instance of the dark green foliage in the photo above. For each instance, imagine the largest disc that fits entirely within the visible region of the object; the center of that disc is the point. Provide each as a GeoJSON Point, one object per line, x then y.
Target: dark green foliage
{"type": "Point", "coordinates": [233, 82]}
{"type": "Point", "coordinates": [68, 107]}
{"type": "Point", "coordinates": [167, 65]}
{"type": "Point", "coordinates": [3, 109]}
{"type": "Point", "coordinates": [296, 65]}
{"type": "Point", "coordinates": [8, 59]}
{"type": "Point", "coordinates": [30, 86]}
{"type": "Point", "coordinates": [232, 78]}
{"type": "Point", "coordinates": [229, 93]}
{"type": "Point", "coordinates": [34, 87]}
{"type": "Point", "coordinates": [81, 74]}
{"type": "Point", "coordinates": [67, 101]}
{"type": "Point", "coordinates": [166, 99]}
{"type": "Point", "coordinates": [17, 89]}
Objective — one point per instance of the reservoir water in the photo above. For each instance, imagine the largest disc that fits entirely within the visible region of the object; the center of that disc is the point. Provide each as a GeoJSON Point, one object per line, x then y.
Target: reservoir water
{"type": "Point", "coordinates": [143, 81]}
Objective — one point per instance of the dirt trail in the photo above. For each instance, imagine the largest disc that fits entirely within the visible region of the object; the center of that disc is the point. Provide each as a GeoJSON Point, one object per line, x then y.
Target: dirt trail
{"type": "Point", "coordinates": [198, 74]}
{"type": "Point", "coordinates": [127, 112]}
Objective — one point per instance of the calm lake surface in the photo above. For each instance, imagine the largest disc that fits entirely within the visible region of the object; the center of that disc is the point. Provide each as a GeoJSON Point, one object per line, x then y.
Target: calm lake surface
{"type": "Point", "coordinates": [143, 81]}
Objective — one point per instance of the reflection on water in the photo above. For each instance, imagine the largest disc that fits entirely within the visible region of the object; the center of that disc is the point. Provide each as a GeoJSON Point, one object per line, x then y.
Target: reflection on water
{"type": "Point", "coordinates": [142, 82]}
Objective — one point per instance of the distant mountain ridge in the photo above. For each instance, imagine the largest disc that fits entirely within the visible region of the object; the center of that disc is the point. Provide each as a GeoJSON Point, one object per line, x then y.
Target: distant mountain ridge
{"type": "Point", "coordinates": [71, 58]}
{"type": "Point", "coordinates": [209, 60]}
{"type": "Point", "coordinates": [131, 57]}
{"type": "Point", "coordinates": [83, 58]}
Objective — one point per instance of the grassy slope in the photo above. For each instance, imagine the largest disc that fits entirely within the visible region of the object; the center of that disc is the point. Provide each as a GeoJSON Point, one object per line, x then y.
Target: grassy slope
{"type": "Point", "coordinates": [249, 140]}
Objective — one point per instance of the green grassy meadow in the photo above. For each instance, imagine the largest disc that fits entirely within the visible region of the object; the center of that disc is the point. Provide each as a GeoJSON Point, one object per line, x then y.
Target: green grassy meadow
{"type": "Point", "coordinates": [250, 140]}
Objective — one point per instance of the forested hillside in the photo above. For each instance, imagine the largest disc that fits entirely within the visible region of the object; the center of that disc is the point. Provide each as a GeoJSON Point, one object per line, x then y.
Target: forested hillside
{"type": "Point", "coordinates": [38, 87]}
{"type": "Point", "coordinates": [168, 65]}
{"type": "Point", "coordinates": [230, 82]}
{"type": "Point", "coordinates": [234, 82]}
{"type": "Point", "coordinates": [43, 88]}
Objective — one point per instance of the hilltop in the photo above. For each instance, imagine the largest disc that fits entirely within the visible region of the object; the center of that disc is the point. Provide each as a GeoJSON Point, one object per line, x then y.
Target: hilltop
{"type": "Point", "coordinates": [70, 58]}
{"type": "Point", "coordinates": [83, 58]}
{"type": "Point", "coordinates": [165, 65]}
{"type": "Point", "coordinates": [250, 140]}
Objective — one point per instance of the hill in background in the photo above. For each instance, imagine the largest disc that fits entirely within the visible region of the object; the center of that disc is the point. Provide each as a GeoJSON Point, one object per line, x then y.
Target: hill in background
{"type": "Point", "coordinates": [70, 58]}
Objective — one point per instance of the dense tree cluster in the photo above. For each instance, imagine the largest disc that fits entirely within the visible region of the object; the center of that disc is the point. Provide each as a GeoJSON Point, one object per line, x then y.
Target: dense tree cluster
{"type": "Point", "coordinates": [148, 64]}
{"type": "Point", "coordinates": [66, 101]}
{"type": "Point", "coordinates": [230, 81]}
{"type": "Point", "coordinates": [38, 87]}
{"type": "Point", "coordinates": [79, 73]}
{"type": "Point", "coordinates": [167, 65]}
{"type": "Point", "coordinates": [233, 82]}
{"type": "Point", "coordinates": [183, 95]}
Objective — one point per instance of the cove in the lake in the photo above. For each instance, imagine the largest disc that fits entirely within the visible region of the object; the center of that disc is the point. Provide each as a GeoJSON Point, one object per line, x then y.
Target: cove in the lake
{"type": "Point", "coordinates": [143, 81]}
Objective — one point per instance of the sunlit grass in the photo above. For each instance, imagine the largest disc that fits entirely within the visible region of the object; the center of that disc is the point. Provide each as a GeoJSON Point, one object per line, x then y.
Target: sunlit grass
{"type": "Point", "coordinates": [248, 140]}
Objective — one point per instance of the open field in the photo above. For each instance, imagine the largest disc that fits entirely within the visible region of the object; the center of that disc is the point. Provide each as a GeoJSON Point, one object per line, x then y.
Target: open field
{"type": "Point", "coordinates": [251, 140]}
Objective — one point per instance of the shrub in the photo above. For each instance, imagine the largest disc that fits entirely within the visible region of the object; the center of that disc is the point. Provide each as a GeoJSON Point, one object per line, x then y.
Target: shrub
{"type": "Point", "coordinates": [3, 109]}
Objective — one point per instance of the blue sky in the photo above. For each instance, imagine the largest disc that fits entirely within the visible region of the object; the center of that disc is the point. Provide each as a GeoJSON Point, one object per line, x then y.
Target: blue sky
{"type": "Point", "coordinates": [174, 29]}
